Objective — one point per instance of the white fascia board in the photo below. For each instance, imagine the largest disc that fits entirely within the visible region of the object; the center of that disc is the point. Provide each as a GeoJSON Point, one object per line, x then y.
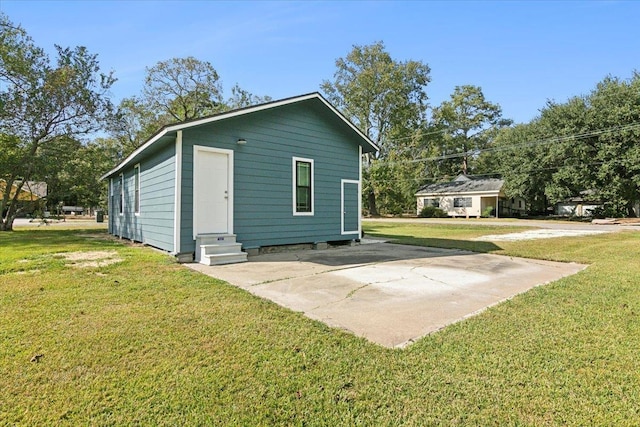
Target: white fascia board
{"type": "Point", "coordinates": [351, 125]}
{"type": "Point", "coordinates": [275, 104]}
{"type": "Point", "coordinates": [236, 113]}
{"type": "Point", "coordinates": [241, 112]}
{"type": "Point", "coordinates": [137, 151]}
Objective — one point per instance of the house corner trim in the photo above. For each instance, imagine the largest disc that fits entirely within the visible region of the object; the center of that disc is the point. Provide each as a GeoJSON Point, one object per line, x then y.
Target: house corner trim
{"type": "Point", "coordinates": [178, 194]}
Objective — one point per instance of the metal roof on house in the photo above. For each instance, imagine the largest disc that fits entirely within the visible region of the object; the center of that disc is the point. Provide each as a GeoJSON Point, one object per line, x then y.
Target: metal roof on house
{"type": "Point", "coordinates": [367, 144]}
{"type": "Point", "coordinates": [463, 184]}
{"type": "Point", "coordinates": [31, 190]}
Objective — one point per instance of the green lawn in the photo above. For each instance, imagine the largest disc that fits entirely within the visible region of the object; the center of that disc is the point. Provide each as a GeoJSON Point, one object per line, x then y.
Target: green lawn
{"type": "Point", "coordinates": [144, 341]}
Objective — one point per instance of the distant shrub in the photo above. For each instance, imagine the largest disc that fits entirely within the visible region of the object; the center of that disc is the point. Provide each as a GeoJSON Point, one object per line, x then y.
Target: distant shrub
{"type": "Point", "coordinates": [601, 212]}
{"type": "Point", "coordinates": [488, 212]}
{"type": "Point", "coordinates": [432, 212]}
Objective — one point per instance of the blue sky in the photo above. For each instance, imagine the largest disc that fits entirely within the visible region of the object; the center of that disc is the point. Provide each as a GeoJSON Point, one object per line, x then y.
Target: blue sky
{"type": "Point", "coordinates": [520, 53]}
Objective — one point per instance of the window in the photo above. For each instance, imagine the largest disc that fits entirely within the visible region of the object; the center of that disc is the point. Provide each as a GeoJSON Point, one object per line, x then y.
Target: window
{"type": "Point", "coordinates": [136, 173]}
{"type": "Point", "coordinates": [112, 194]}
{"type": "Point", "coordinates": [431, 202]}
{"type": "Point", "coordinates": [302, 186]}
{"type": "Point", "coordinates": [121, 204]}
{"type": "Point", "coordinates": [462, 202]}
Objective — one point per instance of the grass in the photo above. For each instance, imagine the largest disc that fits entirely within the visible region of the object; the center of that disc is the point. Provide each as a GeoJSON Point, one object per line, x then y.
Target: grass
{"type": "Point", "coordinates": [448, 236]}
{"type": "Point", "coordinates": [148, 342]}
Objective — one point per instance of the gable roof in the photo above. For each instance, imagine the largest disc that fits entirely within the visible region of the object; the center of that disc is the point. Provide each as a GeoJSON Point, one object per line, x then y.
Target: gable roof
{"type": "Point", "coordinates": [30, 191]}
{"type": "Point", "coordinates": [463, 184]}
{"type": "Point", "coordinates": [367, 145]}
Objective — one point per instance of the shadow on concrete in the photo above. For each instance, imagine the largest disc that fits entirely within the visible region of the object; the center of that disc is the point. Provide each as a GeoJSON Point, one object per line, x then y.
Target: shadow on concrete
{"type": "Point", "coordinates": [380, 252]}
{"type": "Point", "coordinates": [464, 245]}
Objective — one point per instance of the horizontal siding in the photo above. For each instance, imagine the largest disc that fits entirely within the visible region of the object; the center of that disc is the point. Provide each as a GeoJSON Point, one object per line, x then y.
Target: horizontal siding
{"type": "Point", "coordinates": [263, 174]}
{"type": "Point", "coordinates": [157, 198]}
{"type": "Point", "coordinates": [154, 225]}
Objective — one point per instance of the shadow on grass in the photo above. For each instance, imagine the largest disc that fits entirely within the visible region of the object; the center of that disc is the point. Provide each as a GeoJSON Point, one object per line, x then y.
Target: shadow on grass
{"type": "Point", "coordinates": [39, 238]}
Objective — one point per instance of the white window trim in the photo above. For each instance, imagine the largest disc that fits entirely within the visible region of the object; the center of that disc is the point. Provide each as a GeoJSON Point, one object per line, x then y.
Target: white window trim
{"type": "Point", "coordinates": [136, 181]}
{"type": "Point", "coordinates": [294, 192]}
{"type": "Point", "coordinates": [121, 196]}
{"type": "Point", "coordinates": [111, 209]}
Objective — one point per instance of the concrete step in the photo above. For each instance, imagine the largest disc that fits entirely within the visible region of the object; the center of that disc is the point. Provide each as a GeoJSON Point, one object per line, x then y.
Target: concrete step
{"type": "Point", "coordinates": [224, 258]}
{"type": "Point", "coordinates": [222, 248]}
{"type": "Point", "coordinates": [218, 249]}
{"type": "Point", "coordinates": [211, 239]}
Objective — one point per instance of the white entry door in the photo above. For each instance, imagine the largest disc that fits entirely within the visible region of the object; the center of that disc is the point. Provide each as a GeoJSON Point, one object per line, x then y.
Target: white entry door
{"type": "Point", "coordinates": [212, 191]}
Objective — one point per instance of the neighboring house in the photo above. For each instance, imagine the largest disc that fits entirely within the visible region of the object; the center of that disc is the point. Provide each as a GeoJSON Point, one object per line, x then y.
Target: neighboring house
{"type": "Point", "coordinates": [582, 205]}
{"type": "Point", "coordinates": [72, 210]}
{"type": "Point", "coordinates": [280, 173]}
{"type": "Point", "coordinates": [30, 197]}
{"type": "Point", "coordinates": [586, 204]}
{"type": "Point", "coordinates": [31, 191]}
{"type": "Point", "coordinates": [470, 197]}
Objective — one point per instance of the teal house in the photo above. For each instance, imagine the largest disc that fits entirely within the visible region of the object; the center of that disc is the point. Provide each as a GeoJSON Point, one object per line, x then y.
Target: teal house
{"type": "Point", "coordinates": [212, 189]}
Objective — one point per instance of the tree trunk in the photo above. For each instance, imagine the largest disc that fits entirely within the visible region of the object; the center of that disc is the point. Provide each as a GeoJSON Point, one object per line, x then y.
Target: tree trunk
{"type": "Point", "coordinates": [373, 209]}
{"type": "Point", "coordinates": [8, 205]}
{"type": "Point", "coordinates": [6, 224]}
{"type": "Point", "coordinates": [6, 220]}
{"type": "Point", "coordinates": [630, 212]}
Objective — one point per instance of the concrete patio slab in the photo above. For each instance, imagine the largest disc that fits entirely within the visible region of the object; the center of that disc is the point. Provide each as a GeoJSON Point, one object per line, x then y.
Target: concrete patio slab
{"type": "Point", "coordinates": [390, 294]}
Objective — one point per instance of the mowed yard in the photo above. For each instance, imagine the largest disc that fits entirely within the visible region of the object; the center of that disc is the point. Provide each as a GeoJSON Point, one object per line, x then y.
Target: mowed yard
{"type": "Point", "coordinates": [94, 331]}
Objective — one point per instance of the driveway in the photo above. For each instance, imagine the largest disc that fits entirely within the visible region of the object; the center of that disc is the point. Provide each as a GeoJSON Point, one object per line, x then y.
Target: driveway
{"type": "Point", "coordinates": [542, 224]}
{"type": "Point", "coordinates": [390, 294]}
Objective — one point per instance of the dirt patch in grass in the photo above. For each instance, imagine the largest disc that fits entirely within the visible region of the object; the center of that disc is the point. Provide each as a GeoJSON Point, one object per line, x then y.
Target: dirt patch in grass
{"type": "Point", "coordinates": [27, 272]}
{"type": "Point", "coordinates": [87, 259]}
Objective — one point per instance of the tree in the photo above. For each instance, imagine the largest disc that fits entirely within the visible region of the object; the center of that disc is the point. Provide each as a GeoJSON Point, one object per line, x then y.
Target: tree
{"type": "Point", "coordinates": [383, 97]}
{"type": "Point", "coordinates": [614, 109]}
{"type": "Point", "coordinates": [175, 90]}
{"type": "Point", "coordinates": [466, 120]}
{"type": "Point", "coordinates": [183, 88]}
{"type": "Point", "coordinates": [42, 104]}
{"type": "Point", "coordinates": [241, 98]}
{"type": "Point", "coordinates": [134, 123]}
{"type": "Point", "coordinates": [589, 143]}
{"type": "Point", "coordinates": [524, 163]}
{"type": "Point", "coordinates": [76, 179]}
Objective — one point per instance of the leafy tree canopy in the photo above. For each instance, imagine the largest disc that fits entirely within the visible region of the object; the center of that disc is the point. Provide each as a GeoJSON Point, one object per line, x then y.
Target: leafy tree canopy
{"type": "Point", "coordinates": [174, 90]}
{"type": "Point", "coordinates": [590, 143]}
{"type": "Point", "coordinates": [43, 104]}
{"type": "Point", "coordinates": [385, 98]}
{"type": "Point", "coordinates": [466, 121]}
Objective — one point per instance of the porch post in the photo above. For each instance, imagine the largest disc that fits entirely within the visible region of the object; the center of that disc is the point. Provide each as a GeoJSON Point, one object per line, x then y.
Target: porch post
{"type": "Point", "coordinates": [497, 206]}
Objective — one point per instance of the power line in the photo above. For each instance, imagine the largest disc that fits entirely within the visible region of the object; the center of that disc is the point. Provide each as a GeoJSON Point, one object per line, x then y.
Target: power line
{"type": "Point", "coordinates": [526, 172]}
{"type": "Point", "coordinates": [539, 142]}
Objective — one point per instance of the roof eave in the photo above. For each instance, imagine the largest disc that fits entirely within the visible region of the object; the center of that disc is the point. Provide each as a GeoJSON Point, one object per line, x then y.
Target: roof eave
{"type": "Point", "coordinates": [239, 112]}
{"type": "Point", "coordinates": [162, 132]}
{"type": "Point", "coordinates": [451, 193]}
